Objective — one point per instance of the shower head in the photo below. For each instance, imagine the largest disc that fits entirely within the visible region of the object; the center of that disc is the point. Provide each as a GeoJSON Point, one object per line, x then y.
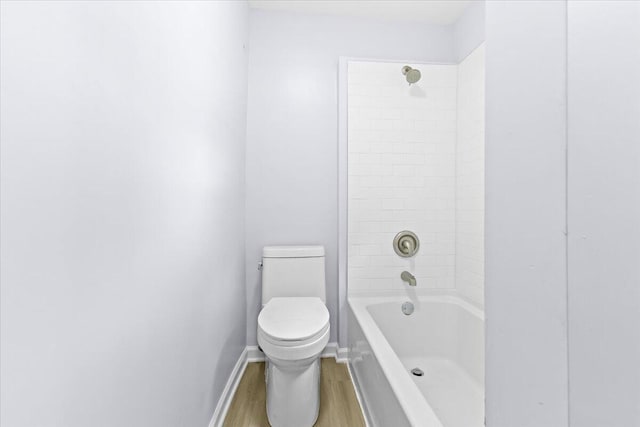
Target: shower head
{"type": "Point", "coordinates": [411, 74]}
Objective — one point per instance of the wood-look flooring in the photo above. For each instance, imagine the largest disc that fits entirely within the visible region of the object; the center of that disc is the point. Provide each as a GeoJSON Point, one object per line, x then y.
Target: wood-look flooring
{"type": "Point", "coordinates": [338, 403]}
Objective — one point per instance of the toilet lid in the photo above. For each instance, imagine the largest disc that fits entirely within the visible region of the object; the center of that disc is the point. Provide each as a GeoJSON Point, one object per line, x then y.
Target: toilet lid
{"type": "Point", "coordinates": [293, 318]}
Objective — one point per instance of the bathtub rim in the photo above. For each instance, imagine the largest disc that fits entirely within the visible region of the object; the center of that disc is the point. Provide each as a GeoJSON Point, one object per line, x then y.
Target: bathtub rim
{"type": "Point", "coordinates": [416, 407]}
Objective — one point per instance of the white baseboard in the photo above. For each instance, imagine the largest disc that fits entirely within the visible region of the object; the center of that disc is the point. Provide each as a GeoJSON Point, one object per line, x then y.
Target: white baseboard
{"type": "Point", "coordinates": [342, 355]}
{"type": "Point", "coordinates": [331, 350]}
{"type": "Point", "coordinates": [254, 354]}
{"type": "Point", "coordinates": [229, 391]}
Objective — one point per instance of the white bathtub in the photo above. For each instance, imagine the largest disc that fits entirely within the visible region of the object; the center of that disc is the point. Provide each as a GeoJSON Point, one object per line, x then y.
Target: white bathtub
{"type": "Point", "coordinates": [444, 337]}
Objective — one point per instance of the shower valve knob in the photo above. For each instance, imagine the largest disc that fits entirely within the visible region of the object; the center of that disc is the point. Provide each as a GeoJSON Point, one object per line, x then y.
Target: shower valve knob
{"type": "Point", "coordinates": [406, 244]}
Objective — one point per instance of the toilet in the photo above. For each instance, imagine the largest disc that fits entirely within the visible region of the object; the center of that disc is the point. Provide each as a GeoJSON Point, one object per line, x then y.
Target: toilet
{"type": "Point", "coordinates": [293, 330]}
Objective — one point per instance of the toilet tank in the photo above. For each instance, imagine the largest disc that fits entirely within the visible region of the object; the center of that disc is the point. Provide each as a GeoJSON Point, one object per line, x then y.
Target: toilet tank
{"type": "Point", "coordinates": [293, 271]}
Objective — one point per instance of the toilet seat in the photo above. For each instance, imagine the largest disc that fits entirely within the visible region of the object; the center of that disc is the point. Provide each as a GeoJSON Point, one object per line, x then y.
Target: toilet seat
{"type": "Point", "coordinates": [293, 328]}
{"type": "Point", "coordinates": [293, 319]}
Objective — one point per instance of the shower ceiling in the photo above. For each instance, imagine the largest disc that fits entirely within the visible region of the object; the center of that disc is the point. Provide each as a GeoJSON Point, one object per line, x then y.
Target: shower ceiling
{"type": "Point", "coordinates": [432, 12]}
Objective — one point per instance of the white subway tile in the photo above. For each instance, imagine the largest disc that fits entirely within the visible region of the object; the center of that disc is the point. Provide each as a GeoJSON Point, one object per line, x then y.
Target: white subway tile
{"type": "Point", "coordinates": [403, 173]}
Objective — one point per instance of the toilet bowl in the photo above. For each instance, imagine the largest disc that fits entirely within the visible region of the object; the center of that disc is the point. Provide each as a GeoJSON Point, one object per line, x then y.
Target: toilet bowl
{"type": "Point", "coordinates": [292, 332]}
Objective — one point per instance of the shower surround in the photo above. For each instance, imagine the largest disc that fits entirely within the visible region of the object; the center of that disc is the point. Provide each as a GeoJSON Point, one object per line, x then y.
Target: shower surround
{"type": "Point", "coordinates": [401, 141]}
{"type": "Point", "coordinates": [416, 162]}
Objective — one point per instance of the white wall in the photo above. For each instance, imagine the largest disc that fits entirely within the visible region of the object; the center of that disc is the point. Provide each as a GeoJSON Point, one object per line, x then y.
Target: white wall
{"type": "Point", "coordinates": [469, 174]}
{"type": "Point", "coordinates": [604, 213]}
{"type": "Point", "coordinates": [401, 142]}
{"type": "Point", "coordinates": [292, 134]}
{"type": "Point", "coordinates": [468, 30]}
{"type": "Point", "coordinates": [525, 286]}
{"type": "Point", "coordinates": [123, 127]}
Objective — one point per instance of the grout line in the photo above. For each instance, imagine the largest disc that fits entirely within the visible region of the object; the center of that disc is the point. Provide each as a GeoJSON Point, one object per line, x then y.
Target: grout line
{"type": "Point", "coordinates": [566, 210]}
{"type": "Point", "coordinates": [455, 179]}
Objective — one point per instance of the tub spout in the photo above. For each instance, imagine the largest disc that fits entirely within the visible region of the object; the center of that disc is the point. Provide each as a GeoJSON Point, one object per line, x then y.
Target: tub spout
{"type": "Point", "coordinates": [408, 277]}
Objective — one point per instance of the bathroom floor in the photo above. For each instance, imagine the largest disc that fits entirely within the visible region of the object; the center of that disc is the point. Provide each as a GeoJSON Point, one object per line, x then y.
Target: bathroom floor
{"type": "Point", "coordinates": [339, 406]}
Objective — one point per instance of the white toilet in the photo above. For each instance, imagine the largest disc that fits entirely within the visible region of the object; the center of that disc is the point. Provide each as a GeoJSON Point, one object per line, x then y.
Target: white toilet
{"type": "Point", "coordinates": [293, 329]}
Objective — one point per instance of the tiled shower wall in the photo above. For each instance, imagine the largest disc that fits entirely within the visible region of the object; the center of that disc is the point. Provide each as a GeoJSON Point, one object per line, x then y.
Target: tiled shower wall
{"type": "Point", "coordinates": [401, 175]}
{"type": "Point", "coordinates": [470, 177]}
{"type": "Point", "coordinates": [416, 162]}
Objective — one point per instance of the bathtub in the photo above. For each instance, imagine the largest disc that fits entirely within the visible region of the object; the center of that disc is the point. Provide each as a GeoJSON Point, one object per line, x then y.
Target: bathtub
{"type": "Point", "coordinates": [444, 337]}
